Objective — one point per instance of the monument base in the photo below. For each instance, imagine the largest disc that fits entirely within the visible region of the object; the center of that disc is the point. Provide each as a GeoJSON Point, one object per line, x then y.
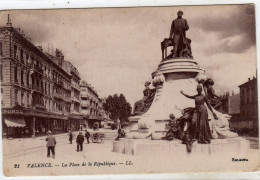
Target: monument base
{"type": "Point", "coordinates": [237, 146]}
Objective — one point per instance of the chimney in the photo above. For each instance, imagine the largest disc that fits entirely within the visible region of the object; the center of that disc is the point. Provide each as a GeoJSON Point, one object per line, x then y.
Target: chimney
{"type": "Point", "coordinates": [22, 33]}
{"type": "Point", "coordinates": [248, 79]}
{"type": "Point", "coordinates": [57, 53]}
{"type": "Point", "coordinates": [40, 48]}
{"type": "Point", "coordinates": [8, 21]}
{"type": "Point", "coordinates": [28, 38]}
{"type": "Point", "coordinates": [233, 93]}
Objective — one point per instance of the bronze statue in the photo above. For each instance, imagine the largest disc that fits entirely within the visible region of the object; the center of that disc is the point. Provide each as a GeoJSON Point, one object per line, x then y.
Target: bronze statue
{"type": "Point", "coordinates": [177, 39]}
{"type": "Point", "coordinates": [214, 100]}
{"type": "Point", "coordinates": [142, 106]}
{"type": "Point", "coordinates": [201, 130]}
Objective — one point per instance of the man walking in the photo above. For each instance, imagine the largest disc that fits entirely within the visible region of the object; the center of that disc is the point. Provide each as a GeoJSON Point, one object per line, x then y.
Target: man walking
{"type": "Point", "coordinates": [51, 142]}
{"type": "Point", "coordinates": [87, 135]}
{"type": "Point", "coordinates": [80, 140]}
{"type": "Point", "coordinates": [70, 137]}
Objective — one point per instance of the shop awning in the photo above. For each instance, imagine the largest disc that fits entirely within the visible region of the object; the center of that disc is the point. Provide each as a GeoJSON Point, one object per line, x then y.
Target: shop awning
{"type": "Point", "coordinates": [15, 122]}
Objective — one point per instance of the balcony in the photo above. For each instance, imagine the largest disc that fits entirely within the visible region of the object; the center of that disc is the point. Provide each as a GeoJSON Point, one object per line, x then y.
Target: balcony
{"type": "Point", "coordinates": [39, 106]}
{"type": "Point", "coordinates": [60, 83]}
{"type": "Point", "coordinates": [84, 95]}
{"type": "Point", "coordinates": [75, 86]}
{"type": "Point", "coordinates": [75, 99]}
{"type": "Point", "coordinates": [67, 99]}
{"type": "Point", "coordinates": [58, 96]}
{"type": "Point", "coordinates": [37, 89]}
{"type": "Point", "coordinates": [34, 68]}
{"type": "Point", "coordinates": [16, 81]}
{"type": "Point", "coordinates": [85, 104]}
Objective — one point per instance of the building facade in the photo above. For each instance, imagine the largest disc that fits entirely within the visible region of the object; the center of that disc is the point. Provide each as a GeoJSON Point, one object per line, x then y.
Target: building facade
{"type": "Point", "coordinates": [234, 110]}
{"type": "Point", "coordinates": [249, 105]}
{"type": "Point", "coordinates": [75, 118]}
{"type": "Point", "coordinates": [91, 104]}
{"type": "Point", "coordinates": [35, 90]}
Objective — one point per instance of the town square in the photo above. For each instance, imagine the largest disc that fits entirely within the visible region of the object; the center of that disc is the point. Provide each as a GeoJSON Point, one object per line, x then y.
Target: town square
{"type": "Point", "coordinates": [129, 90]}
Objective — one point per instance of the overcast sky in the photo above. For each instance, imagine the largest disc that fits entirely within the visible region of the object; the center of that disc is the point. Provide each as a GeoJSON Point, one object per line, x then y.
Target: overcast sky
{"type": "Point", "coordinates": [117, 49]}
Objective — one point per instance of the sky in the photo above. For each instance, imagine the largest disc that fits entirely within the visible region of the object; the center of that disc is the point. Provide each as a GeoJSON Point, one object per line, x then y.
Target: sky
{"type": "Point", "coordinates": [117, 49]}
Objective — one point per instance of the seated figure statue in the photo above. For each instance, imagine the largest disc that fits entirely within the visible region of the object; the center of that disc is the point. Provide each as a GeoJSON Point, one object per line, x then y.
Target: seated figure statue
{"type": "Point", "coordinates": [142, 106]}
{"type": "Point", "coordinates": [214, 100]}
{"type": "Point", "coordinates": [219, 128]}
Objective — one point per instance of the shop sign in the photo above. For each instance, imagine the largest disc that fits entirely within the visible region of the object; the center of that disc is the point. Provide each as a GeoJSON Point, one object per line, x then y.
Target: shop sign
{"type": "Point", "coordinates": [13, 111]}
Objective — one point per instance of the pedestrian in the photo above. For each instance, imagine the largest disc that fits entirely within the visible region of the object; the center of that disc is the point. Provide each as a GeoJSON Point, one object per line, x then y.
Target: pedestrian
{"type": "Point", "coordinates": [51, 142]}
{"type": "Point", "coordinates": [87, 135]}
{"type": "Point", "coordinates": [70, 137]}
{"type": "Point", "coordinates": [121, 134]}
{"type": "Point", "coordinates": [80, 140]}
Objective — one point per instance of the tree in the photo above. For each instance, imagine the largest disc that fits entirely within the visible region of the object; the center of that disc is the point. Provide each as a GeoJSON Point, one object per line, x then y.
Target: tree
{"type": "Point", "coordinates": [118, 107]}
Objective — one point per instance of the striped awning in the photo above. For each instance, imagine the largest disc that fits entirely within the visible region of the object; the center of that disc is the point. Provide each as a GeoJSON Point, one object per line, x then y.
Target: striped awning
{"type": "Point", "coordinates": [15, 122]}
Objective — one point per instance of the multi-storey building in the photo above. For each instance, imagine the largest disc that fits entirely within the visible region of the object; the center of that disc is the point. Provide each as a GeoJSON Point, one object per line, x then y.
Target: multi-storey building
{"type": "Point", "coordinates": [75, 117]}
{"type": "Point", "coordinates": [91, 104]}
{"type": "Point", "coordinates": [249, 105]}
{"type": "Point", "coordinates": [35, 90]}
{"type": "Point", "coordinates": [234, 110]}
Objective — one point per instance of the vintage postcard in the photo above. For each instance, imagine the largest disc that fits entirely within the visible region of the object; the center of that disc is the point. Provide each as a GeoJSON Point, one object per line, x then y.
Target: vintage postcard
{"type": "Point", "coordinates": [142, 90]}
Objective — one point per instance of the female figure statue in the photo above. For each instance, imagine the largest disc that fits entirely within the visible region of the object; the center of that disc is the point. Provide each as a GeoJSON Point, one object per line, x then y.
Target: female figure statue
{"type": "Point", "coordinates": [142, 106]}
{"type": "Point", "coordinates": [214, 100]}
{"type": "Point", "coordinates": [200, 124]}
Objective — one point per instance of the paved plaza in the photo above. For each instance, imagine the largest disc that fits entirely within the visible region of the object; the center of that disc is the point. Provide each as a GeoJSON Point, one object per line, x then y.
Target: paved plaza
{"type": "Point", "coordinates": [100, 159]}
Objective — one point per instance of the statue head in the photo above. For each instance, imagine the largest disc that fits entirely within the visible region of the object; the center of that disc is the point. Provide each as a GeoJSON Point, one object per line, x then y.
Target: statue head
{"type": "Point", "coordinates": [201, 78]}
{"type": "Point", "coordinates": [147, 83]}
{"type": "Point", "coordinates": [209, 81]}
{"type": "Point", "coordinates": [172, 117]}
{"type": "Point", "coordinates": [180, 13]}
{"type": "Point", "coordinates": [199, 89]}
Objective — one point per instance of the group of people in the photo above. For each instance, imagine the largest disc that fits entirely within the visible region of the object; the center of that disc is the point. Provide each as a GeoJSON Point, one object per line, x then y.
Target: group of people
{"type": "Point", "coordinates": [197, 128]}
{"type": "Point", "coordinates": [51, 142]}
{"type": "Point", "coordinates": [80, 139]}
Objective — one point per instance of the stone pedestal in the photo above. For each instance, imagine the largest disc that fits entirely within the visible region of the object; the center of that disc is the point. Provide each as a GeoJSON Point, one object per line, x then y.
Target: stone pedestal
{"type": "Point", "coordinates": [174, 75]}
{"type": "Point", "coordinates": [145, 147]}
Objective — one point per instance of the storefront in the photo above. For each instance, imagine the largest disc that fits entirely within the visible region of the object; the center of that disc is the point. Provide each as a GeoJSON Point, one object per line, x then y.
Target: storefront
{"type": "Point", "coordinates": [74, 122]}
{"type": "Point", "coordinates": [18, 123]}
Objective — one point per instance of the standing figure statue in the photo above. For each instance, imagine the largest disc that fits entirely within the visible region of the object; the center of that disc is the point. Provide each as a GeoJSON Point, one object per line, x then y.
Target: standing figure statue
{"type": "Point", "coordinates": [182, 46]}
{"type": "Point", "coordinates": [200, 125]}
{"type": "Point", "coordinates": [142, 106]}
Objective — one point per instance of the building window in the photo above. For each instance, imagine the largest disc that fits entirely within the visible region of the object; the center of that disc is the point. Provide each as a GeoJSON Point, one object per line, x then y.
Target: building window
{"type": "Point", "coordinates": [22, 82]}
{"type": "Point", "coordinates": [2, 92]}
{"type": "Point", "coordinates": [27, 58]}
{"type": "Point", "coordinates": [22, 94]}
{"type": "Point", "coordinates": [21, 54]}
{"type": "Point", "coordinates": [15, 52]}
{"type": "Point", "coordinates": [28, 100]}
{"type": "Point", "coordinates": [15, 74]}
{"type": "Point", "coordinates": [16, 96]}
{"type": "Point", "coordinates": [28, 82]}
{"type": "Point", "coordinates": [1, 48]}
{"type": "Point", "coordinates": [1, 72]}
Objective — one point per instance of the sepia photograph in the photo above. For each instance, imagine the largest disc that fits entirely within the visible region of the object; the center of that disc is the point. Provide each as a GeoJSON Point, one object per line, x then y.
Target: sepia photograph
{"type": "Point", "coordinates": [129, 90]}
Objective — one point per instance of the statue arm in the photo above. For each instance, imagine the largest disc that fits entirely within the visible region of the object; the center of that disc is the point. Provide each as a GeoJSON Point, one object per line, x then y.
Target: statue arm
{"type": "Point", "coordinates": [171, 31]}
{"type": "Point", "coordinates": [188, 96]}
{"type": "Point", "coordinates": [210, 108]}
{"type": "Point", "coordinates": [186, 25]}
{"type": "Point", "coordinates": [213, 92]}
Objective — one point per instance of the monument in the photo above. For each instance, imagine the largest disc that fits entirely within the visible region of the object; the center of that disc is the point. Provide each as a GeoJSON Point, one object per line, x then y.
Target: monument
{"type": "Point", "coordinates": [177, 72]}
